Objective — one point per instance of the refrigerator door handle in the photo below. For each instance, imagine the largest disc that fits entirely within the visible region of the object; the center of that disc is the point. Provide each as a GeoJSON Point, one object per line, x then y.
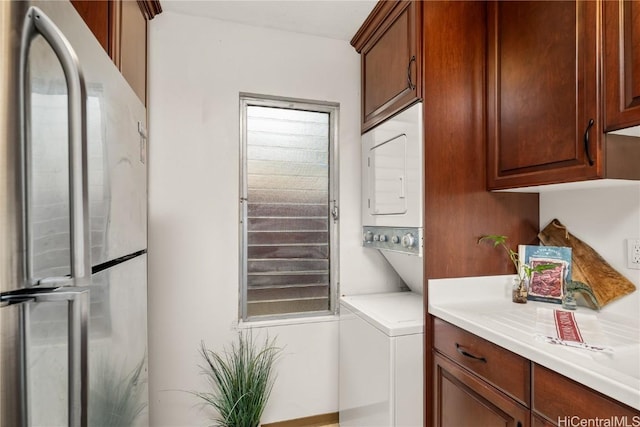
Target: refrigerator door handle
{"type": "Point", "coordinates": [36, 22]}
{"type": "Point", "coordinates": [78, 318]}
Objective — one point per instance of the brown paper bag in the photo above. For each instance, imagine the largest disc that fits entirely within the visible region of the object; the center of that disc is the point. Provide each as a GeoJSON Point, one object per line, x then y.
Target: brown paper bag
{"type": "Point", "coordinates": [587, 265]}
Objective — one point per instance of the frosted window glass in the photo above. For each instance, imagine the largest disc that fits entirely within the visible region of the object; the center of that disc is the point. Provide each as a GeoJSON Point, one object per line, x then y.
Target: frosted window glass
{"type": "Point", "coordinates": [286, 168]}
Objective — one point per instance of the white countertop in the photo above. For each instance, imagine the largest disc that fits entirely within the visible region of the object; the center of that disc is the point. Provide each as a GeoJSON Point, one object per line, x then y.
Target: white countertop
{"type": "Point", "coordinates": [482, 306]}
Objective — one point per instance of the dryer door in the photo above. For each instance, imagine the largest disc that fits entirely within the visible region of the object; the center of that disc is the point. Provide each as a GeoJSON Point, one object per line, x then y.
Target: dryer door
{"type": "Point", "coordinates": [387, 177]}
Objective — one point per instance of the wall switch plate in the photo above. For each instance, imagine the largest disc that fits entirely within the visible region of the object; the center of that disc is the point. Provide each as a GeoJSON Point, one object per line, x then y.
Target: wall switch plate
{"type": "Point", "coordinates": [633, 253]}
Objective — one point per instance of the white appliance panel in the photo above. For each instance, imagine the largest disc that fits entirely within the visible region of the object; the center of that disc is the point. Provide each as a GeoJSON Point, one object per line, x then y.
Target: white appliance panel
{"type": "Point", "coordinates": [409, 267]}
{"type": "Point", "coordinates": [365, 377]}
{"type": "Point", "coordinates": [392, 193]}
{"type": "Point", "coordinates": [381, 360]}
{"type": "Point", "coordinates": [408, 384]}
{"type": "Point", "coordinates": [393, 313]}
{"type": "Point", "coordinates": [392, 171]}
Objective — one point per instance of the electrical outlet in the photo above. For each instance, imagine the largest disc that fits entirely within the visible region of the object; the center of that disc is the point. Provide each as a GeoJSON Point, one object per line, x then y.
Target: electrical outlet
{"type": "Point", "coordinates": [633, 253]}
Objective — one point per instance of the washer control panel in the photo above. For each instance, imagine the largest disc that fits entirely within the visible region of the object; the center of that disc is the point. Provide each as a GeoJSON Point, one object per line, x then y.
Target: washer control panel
{"type": "Point", "coordinates": [399, 239]}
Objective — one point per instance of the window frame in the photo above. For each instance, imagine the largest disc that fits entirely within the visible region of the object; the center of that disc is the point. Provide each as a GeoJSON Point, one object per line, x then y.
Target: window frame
{"type": "Point", "coordinates": [333, 110]}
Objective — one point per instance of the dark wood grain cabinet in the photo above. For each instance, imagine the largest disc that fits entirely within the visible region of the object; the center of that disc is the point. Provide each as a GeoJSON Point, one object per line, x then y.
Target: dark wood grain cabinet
{"type": "Point", "coordinates": [390, 47]}
{"type": "Point", "coordinates": [471, 385]}
{"type": "Point", "coordinates": [559, 401]}
{"type": "Point", "coordinates": [462, 399]}
{"type": "Point", "coordinates": [543, 118]}
{"type": "Point", "coordinates": [559, 76]}
{"type": "Point", "coordinates": [121, 28]}
{"type": "Point", "coordinates": [621, 63]}
{"type": "Point", "coordinates": [479, 383]}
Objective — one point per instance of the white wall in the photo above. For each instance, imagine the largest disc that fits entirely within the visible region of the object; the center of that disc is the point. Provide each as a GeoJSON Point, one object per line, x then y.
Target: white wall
{"type": "Point", "coordinates": [197, 67]}
{"type": "Point", "coordinates": [601, 217]}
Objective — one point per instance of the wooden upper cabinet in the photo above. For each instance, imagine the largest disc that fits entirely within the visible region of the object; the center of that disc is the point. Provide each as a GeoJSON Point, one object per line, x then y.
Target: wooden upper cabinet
{"type": "Point", "coordinates": [132, 52]}
{"type": "Point", "coordinates": [621, 63]}
{"type": "Point", "coordinates": [121, 28]}
{"type": "Point", "coordinates": [97, 15]}
{"type": "Point", "coordinates": [543, 118]}
{"type": "Point", "coordinates": [390, 47]}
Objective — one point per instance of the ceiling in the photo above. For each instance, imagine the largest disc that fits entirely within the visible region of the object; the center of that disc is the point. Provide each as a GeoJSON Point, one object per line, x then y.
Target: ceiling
{"type": "Point", "coordinates": [336, 19]}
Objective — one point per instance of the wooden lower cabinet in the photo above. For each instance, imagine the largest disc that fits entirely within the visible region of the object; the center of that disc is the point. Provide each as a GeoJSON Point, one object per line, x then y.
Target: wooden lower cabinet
{"type": "Point", "coordinates": [479, 384]}
{"type": "Point", "coordinates": [538, 421]}
{"type": "Point", "coordinates": [559, 401]}
{"type": "Point", "coordinates": [485, 359]}
{"type": "Point", "coordinates": [463, 399]}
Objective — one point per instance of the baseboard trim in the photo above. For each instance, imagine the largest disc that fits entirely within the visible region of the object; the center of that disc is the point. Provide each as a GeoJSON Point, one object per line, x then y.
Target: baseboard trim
{"type": "Point", "coordinates": [313, 421]}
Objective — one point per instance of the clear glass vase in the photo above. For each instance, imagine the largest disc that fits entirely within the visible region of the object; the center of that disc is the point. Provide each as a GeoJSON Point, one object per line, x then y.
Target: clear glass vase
{"type": "Point", "coordinates": [569, 300]}
{"type": "Point", "coordinates": [520, 290]}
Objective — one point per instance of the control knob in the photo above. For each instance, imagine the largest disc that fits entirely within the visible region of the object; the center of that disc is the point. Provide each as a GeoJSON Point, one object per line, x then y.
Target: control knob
{"type": "Point", "coordinates": [367, 236]}
{"type": "Point", "coordinates": [408, 240]}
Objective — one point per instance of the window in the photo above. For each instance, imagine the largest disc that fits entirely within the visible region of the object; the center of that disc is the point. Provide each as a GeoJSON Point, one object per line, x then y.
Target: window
{"type": "Point", "coordinates": [289, 257]}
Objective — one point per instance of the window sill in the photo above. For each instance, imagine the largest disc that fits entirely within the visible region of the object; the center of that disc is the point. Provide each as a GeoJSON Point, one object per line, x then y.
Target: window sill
{"type": "Point", "coordinates": [288, 321]}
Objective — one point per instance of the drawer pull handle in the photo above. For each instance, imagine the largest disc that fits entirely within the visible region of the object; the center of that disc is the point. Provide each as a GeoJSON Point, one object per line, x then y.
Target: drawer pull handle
{"type": "Point", "coordinates": [409, 81]}
{"type": "Point", "coordinates": [469, 355]}
{"type": "Point", "coordinates": [586, 143]}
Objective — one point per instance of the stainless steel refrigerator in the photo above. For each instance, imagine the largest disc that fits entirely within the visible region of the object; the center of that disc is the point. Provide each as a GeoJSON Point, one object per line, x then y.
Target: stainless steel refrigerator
{"type": "Point", "coordinates": [73, 234]}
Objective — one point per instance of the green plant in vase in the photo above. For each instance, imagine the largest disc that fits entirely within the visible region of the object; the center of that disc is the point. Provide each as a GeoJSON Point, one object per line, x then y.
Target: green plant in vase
{"type": "Point", "coordinates": [523, 270]}
{"type": "Point", "coordinates": [241, 380]}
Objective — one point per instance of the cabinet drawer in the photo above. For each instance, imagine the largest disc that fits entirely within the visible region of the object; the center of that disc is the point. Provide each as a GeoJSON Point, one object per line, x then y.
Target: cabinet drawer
{"type": "Point", "coordinates": [498, 366]}
{"type": "Point", "coordinates": [557, 399]}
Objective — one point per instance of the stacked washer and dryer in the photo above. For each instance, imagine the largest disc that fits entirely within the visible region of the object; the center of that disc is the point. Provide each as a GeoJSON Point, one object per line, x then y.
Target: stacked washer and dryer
{"type": "Point", "coordinates": [381, 335]}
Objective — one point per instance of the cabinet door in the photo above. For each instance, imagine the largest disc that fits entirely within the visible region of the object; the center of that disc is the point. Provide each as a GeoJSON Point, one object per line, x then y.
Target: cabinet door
{"type": "Point", "coordinates": [621, 64]}
{"type": "Point", "coordinates": [97, 15]}
{"type": "Point", "coordinates": [121, 28]}
{"type": "Point", "coordinates": [462, 399]}
{"type": "Point", "coordinates": [542, 93]}
{"type": "Point", "coordinates": [133, 48]}
{"type": "Point", "coordinates": [391, 64]}
{"type": "Point", "coordinates": [560, 401]}
{"type": "Point", "coordinates": [538, 421]}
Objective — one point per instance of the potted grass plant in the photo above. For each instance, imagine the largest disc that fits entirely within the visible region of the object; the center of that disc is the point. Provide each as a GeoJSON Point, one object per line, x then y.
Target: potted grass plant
{"type": "Point", "coordinates": [241, 379]}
